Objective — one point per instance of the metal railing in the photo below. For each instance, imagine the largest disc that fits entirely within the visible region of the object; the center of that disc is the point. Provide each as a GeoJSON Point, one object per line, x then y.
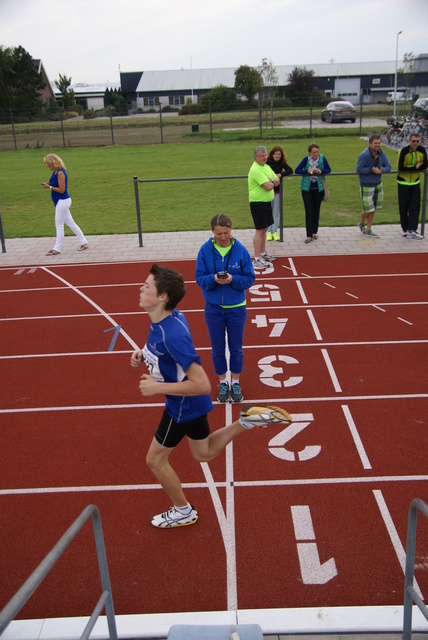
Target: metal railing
{"type": "Point", "coordinates": [281, 220]}
{"type": "Point", "coordinates": [410, 594]}
{"type": "Point", "coordinates": [28, 588]}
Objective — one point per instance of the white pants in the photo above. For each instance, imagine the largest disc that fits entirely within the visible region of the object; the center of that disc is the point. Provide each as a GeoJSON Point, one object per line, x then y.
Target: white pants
{"type": "Point", "coordinates": [63, 216]}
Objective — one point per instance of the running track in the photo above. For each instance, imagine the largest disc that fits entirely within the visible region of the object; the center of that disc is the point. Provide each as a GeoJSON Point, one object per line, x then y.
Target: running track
{"type": "Point", "coordinates": [311, 515]}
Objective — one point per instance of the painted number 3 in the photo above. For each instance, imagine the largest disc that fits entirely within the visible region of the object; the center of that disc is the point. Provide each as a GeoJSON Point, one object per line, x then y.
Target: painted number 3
{"type": "Point", "coordinates": [273, 371]}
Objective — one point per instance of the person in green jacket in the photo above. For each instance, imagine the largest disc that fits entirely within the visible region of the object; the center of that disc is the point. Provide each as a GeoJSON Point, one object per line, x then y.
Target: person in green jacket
{"type": "Point", "coordinates": [411, 162]}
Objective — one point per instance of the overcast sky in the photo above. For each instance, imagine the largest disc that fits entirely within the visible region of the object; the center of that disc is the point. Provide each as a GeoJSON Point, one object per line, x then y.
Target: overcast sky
{"type": "Point", "coordinates": [91, 41]}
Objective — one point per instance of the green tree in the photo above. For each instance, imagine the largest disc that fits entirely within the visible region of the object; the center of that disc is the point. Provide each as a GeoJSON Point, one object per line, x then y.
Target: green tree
{"type": "Point", "coordinates": [21, 82]}
{"type": "Point", "coordinates": [301, 82]}
{"type": "Point", "coordinates": [222, 99]}
{"type": "Point", "coordinates": [67, 95]}
{"type": "Point", "coordinates": [6, 96]}
{"type": "Point", "coordinates": [248, 81]}
{"type": "Point", "coordinates": [407, 72]}
{"type": "Point", "coordinates": [270, 80]}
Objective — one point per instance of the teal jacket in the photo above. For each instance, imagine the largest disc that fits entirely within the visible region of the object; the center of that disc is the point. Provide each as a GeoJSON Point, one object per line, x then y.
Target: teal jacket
{"type": "Point", "coordinates": [302, 169]}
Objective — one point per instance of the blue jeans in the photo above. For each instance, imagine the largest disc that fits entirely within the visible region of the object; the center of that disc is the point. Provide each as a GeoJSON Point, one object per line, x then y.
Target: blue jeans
{"type": "Point", "coordinates": [219, 321]}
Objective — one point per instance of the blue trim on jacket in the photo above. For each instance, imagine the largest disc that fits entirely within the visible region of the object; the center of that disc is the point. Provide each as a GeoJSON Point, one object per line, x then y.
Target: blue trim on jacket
{"type": "Point", "coordinates": [365, 164]}
{"type": "Point", "coordinates": [210, 262]}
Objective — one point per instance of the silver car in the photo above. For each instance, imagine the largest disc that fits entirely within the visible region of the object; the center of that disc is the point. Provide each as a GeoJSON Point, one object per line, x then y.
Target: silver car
{"type": "Point", "coordinates": [339, 111]}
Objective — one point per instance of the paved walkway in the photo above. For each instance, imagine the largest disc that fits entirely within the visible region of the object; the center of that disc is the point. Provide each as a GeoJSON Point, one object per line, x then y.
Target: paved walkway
{"type": "Point", "coordinates": [185, 245]}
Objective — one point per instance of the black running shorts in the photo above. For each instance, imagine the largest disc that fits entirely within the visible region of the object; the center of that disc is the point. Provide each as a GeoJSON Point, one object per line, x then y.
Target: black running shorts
{"type": "Point", "coordinates": [169, 433]}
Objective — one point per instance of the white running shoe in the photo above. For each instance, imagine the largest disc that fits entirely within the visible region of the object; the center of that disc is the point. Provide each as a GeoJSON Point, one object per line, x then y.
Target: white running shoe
{"type": "Point", "coordinates": [259, 263]}
{"type": "Point", "coordinates": [258, 416]}
{"type": "Point", "coordinates": [267, 257]}
{"type": "Point", "coordinates": [414, 235]}
{"type": "Point", "coordinates": [174, 518]}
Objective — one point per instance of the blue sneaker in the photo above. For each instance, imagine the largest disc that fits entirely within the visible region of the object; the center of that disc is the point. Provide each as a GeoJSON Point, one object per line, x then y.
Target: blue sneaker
{"type": "Point", "coordinates": [224, 391]}
{"type": "Point", "coordinates": [236, 393]}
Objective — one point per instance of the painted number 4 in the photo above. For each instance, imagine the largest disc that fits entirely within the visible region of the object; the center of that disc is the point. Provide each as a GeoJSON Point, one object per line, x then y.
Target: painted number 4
{"type": "Point", "coordinates": [262, 322]}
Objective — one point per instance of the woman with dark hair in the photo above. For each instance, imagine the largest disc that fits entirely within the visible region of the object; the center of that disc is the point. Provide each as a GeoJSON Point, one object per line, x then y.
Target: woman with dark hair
{"type": "Point", "coordinates": [312, 169]}
{"type": "Point", "coordinates": [224, 272]}
{"type": "Point", "coordinates": [277, 160]}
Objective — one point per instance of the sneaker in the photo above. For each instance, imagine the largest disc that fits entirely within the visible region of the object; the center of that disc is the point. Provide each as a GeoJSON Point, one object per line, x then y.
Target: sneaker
{"type": "Point", "coordinates": [223, 394]}
{"type": "Point", "coordinates": [259, 263]}
{"type": "Point", "coordinates": [275, 236]}
{"type": "Point", "coordinates": [406, 234]}
{"type": "Point", "coordinates": [267, 257]}
{"type": "Point", "coordinates": [174, 518]}
{"type": "Point", "coordinates": [255, 416]}
{"type": "Point", "coordinates": [415, 235]}
{"type": "Point", "coordinates": [370, 232]}
{"type": "Point", "coordinates": [236, 393]}
{"type": "Point", "coordinates": [361, 227]}
{"type": "Point", "coordinates": [269, 236]}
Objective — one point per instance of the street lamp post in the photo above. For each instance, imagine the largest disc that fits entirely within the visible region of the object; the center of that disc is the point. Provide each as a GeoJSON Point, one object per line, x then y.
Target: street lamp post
{"type": "Point", "coordinates": [395, 82]}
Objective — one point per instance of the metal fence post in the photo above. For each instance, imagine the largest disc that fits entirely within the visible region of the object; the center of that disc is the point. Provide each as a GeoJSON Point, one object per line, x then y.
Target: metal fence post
{"type": "Point", "coordinates": [137, 205]}
{"type": "Point", "coordinates": [111, 125]}
{"type": "Point", "coordinates": [62, 126]}
{"type": "Point", "coordinates": [160, 121]}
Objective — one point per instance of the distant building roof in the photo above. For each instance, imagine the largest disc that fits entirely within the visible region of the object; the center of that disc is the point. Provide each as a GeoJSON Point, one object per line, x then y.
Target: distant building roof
{"type": "Point", "coordinates": [187, 79]}
{"type": "Point", "coordinates": [84, 90]}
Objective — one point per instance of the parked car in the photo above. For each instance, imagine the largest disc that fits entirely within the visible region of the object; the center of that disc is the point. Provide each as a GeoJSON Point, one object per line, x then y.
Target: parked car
{"type": "Point", "coordinates": [420, 108]}
{"type": "Point", "coordinates": [401, 97]}
{"type": "Point", "coordinates": [339, 111]}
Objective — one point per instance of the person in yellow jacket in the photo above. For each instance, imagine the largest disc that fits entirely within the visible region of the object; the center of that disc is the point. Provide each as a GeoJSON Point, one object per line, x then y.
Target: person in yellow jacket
{"type": "Point", "coordinates": [411, 162]}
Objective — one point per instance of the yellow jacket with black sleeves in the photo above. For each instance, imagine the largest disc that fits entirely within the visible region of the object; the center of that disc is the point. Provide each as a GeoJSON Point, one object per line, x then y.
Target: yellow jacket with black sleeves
{"type": "Point", "coordinates": [407, 161]}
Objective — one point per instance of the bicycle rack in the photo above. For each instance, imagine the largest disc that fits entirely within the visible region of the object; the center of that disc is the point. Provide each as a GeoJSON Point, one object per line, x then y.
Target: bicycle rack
{"type": "Point", "coordinates": [28, 588]}
{"type": "Point", "coordinates": [410, 594]}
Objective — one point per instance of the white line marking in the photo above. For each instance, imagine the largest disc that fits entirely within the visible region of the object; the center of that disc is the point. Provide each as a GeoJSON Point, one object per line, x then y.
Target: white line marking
{"type": "Point", "coordinates": [293, 268]}
{"type": "Point", "coordinates": [356, 437]}
{"type": "Point", "coordinates": [329, 285]}
{"type": "Point", "coordinates": [395, 538]}
{"type": "Point", "coordinates": [302, 293]}
{"type": "Point", "coordinates": [288, 400]}
{"type": "Point", "coordinates": [375, 306]}
{"type": "Point", "coordinates": [202, 485]}
{"type": "Point", "coordinates": [96, 306]}
{"type": "Point", "coordinates": [331, 371]}
{"type": "Point", "coordinates": [351, 295]}
{"type": "Point", "coordinates": [314, 325]}
{"type": "Point", "coordinates": [406, 321]}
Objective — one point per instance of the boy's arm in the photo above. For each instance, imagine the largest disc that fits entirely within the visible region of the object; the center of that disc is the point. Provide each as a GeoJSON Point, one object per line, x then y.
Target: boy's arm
{"type": "Point", "coordinates": [197, 384]}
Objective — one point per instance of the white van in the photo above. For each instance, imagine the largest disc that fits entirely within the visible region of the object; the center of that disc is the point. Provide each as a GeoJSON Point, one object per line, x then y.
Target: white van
{"type": "Point", "coordinates": [401, 97]}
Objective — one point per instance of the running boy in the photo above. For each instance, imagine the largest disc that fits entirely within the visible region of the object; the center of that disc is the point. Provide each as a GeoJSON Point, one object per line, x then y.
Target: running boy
{"type": "Point", "coordinates": [175, 371]}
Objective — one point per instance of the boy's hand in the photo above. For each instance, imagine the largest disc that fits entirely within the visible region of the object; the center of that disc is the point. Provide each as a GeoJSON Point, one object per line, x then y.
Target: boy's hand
{"type": "Point", "coordinates": [136, 358]}
{"type": "Point", "coordinates": [148, 386]}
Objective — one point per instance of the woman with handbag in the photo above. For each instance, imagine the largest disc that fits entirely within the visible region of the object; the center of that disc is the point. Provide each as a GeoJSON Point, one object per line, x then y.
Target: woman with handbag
{"type": "Point", "coordinates": [313, 168]}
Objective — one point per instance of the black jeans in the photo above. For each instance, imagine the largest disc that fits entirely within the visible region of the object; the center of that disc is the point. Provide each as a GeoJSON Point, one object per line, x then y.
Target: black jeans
{"type": "Point", "coordinates": [409, 204]}
{"type": "Point", "coordinates": [312, 200]}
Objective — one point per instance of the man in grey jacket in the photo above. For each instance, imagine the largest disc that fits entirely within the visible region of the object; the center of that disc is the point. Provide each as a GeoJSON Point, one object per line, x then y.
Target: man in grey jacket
{"type": "Point", "coordinates": [371, 164]}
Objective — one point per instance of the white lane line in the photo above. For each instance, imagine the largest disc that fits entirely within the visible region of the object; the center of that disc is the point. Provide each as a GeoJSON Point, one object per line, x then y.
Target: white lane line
{"type": "Point", "coordinates": [356, 437]}
{"type": "Point", "coordinates": [202, 485]}
{"type": "Point", "coordinates": [96, 306]}
{"type": "Point", "coordinates": [329, 285]}
{"type": "Point", "coordinates": [314, 325]}
{"type": "Point", "coordinates": [331, 371]}
{"type": "Point", "coordinates": [351, 295]}
{"type": "Point", "coordinates": [375, 306]}
{"type": "Point", "coordinates": [293, 268]}
{"type": "Point", "coordinates": [302, 293]}
{"type": "Point", "coordinates": [226, 521]}
{"type": "Point", "coordinates": [395, 538]}
{"type": "Point", "coordinates": [406, 321]}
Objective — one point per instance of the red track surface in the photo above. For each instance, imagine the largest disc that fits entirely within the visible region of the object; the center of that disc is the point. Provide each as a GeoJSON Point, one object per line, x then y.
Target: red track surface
{"type": "Point", "coordinates": [311, 515]}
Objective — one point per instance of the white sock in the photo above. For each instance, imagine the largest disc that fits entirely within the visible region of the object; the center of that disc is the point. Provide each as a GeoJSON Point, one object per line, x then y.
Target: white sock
{"type": "Point", "coordinates": [185, 511]}
{"type": "Point", "coordinates": [235, 381]}
{"type": "Point", "coordinates": [224, 381]}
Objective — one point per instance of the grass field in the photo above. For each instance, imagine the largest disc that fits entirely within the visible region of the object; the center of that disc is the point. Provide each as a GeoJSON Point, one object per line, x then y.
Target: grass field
{"type": "Point", "coordinates": [102, 189]}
